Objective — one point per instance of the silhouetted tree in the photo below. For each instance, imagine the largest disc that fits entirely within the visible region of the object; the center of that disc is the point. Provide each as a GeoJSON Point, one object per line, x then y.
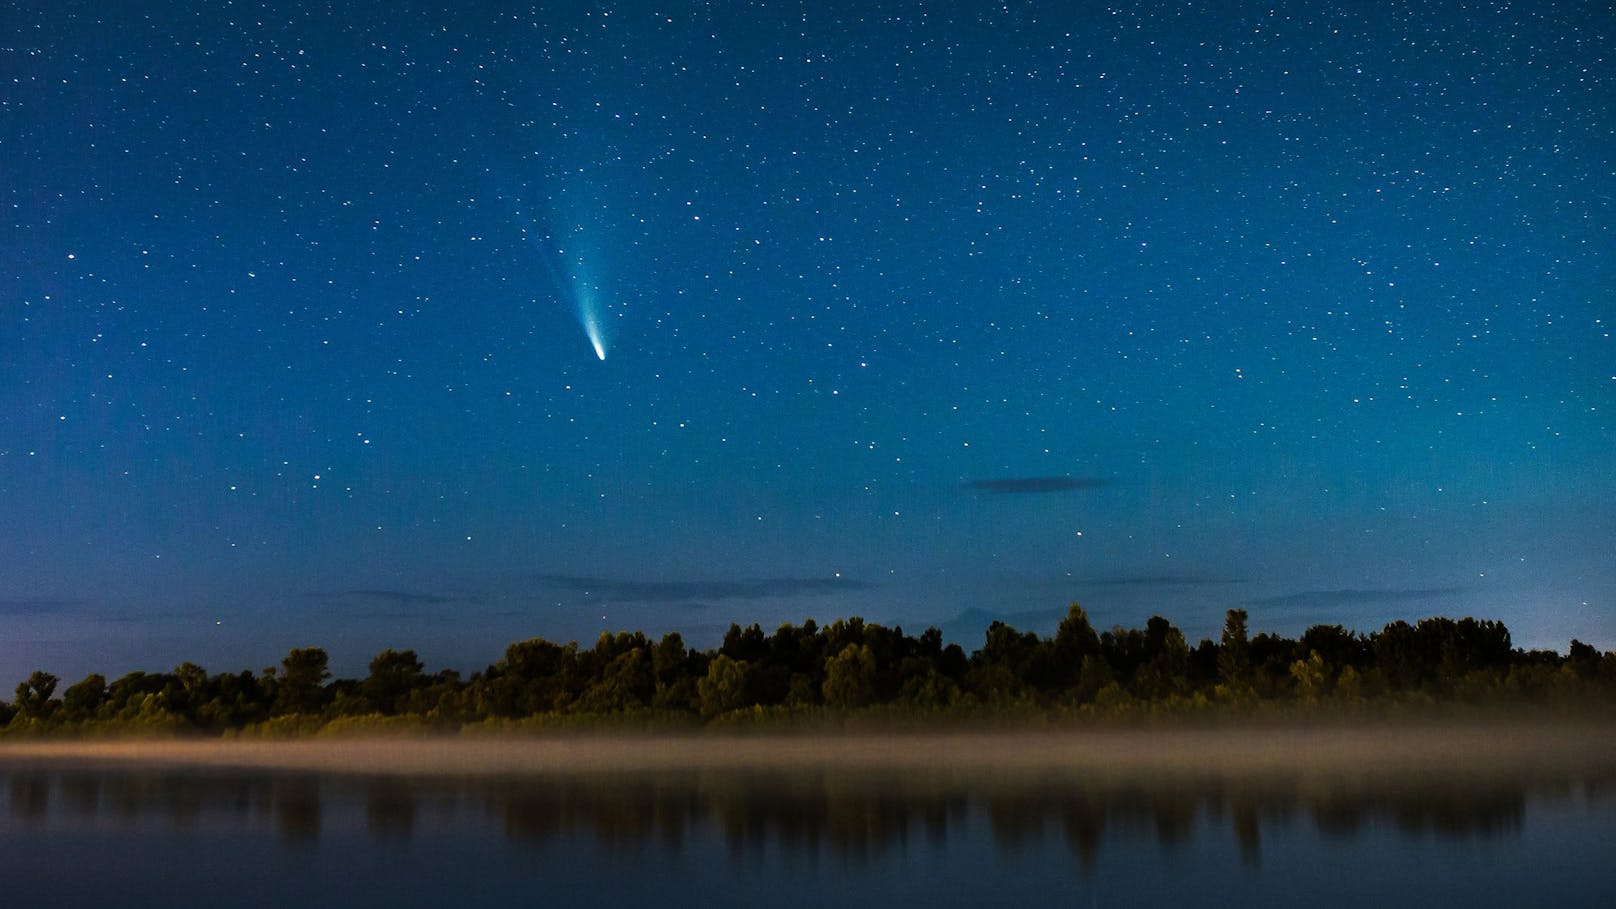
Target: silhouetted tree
{"type": "Point", "coordinates": [393, 676]}
{"type": "Point", "coordinates": [850, 677]}
{"type": "Point", "coordinates": [723, 688]}
{"type": "Point", "coordinates": [237, 699]}
{"type": "Point", "coordinates": [1310, 676]}
{"type": "Point", "coordinates": [1404, 658]}
{"type": "Point", "coordinates": [626, 682]}
{"type": "Point", "coordinates": [1234, 651]}
{"type": "Point", "coordinates": [302, 680]}
{"type": "Point", "coordinates": [537, 676]}
{"type": "Point", "coordinates": [748, 644]}
{"type": "Point", "coordinates": [1167, 661]}
{"type": "Point", "coordinates": [847, 665]}
{"type": "Point", "coordinates": [1337, 646]}
{"type": "Point", "coordinates": [671, 664]}
{"type": "Point", "coordinates": [1075, 639]}
{"type": "Point", "coordinates": [187, 690]}
{"type": "Point", "coordinates": [34, 695]}
{"type": "Point", "coordinates": [1093, 677]}
{"type": "Point", "coordinates": [82, 698]}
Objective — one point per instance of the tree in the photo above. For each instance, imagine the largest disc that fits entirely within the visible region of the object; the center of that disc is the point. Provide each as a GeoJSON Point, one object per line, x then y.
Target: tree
{"type": "Point", "coordinates": [670, 663]}
{"type": "Point", "coordinates": [1584, 659]}
{"type": "Point", "coordinates": [1167, 661]}
{"type": "Point", "coordinates": [393, 675]}
{"type": "Point", "coordinates": [539, 676]}
{"type": "Point", "coordinates": [1311, 677]}
{"type": "Point", "coordinates": [626, 683]}
{"type": "Point", "coordinates": [850, 677]}
{"type": "Point", "coordinates": [82, 698]}
{"type": "Point", "coordinates": [34, 695]}
{"type": "Point", "coordinates": [724, 687]}
{"type": "Point", "coordinates": [1338, 646]}
{"type": "Point", "coordinates": [191, 683]}
{"type": "Point", "coordinates": [1234, 651]}
{"type": "Point", "coordinates": [749, 644]}
{"type": "Point", "coordinates": [1076, 637]}
{"type": "Point", "coordinates": [1093, 677]}
{"type": "Point", "coordinates": [1003, 668]}
{"type": "Point", "coordinates": [303, 675]}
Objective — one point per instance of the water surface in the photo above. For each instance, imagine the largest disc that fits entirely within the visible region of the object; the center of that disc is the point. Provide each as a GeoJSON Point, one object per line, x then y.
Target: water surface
{"type": "Point", "coordinates": [188, 836]}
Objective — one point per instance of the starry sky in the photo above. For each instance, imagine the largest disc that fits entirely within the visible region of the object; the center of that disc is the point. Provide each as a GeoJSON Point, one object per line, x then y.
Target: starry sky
{"type": "Point", "coordinates": [403, 325]}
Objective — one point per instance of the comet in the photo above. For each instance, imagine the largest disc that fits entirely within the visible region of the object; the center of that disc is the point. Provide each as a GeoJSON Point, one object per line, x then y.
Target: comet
{"type": "Point", "coordinates": [589, 318]}
{"type": "Point", "coordinates": [568, 271]}
{"type": "Point", "coordinates": [596, 339]}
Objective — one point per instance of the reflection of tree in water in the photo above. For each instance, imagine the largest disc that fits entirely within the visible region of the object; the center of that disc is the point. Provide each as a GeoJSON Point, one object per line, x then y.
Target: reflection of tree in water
{"type": "Point", "coordinates": [809, 814]}
{"type": "Point", "coordinates": [803, 815]}
{"type": "Point", "coordinates": [30, 797]}
{"type": "Point", "coordinates": [1083, 822]}
{"type": "Point", "coordinates": [81, 794]}
{"type": "Point", "coordinates": [1084, 815]}
{"type": "Point", "coordinates": [624, 812]}
{"type": "Point", "coordinates": [855, 818]}
{"type": "Point", "coordinates": [389, 809]}
{"type": "Point", "coordinates": [184, 797]}
{"type": "Point", "coordinates": [297, 808]}
{"type": "Point", "coordinates": [1488, 810]}
{"type": "Point", "coordinates": [1247, 809]}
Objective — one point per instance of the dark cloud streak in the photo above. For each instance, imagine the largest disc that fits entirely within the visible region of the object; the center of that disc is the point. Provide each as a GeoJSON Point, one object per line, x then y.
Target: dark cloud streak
{"type": "Point", "coordinates": [36, 605]}
{"type": "Point", "coordinates": [379, 603]}
{"type": "Point", "coordinates": [621, 591]}
{"type": "Point", "coordinates": [1159, 580]}
{"type": "Point", "coordinates": [1352, 597]}
{"type": "Point", "coordinates": [397, 597]}
{"type": "Point", "coordinates": [1036, 485]}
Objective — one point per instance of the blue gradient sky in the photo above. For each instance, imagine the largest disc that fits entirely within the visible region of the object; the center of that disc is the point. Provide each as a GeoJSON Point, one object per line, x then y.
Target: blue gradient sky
{"type": "Point", "coordinates": [909, 309]}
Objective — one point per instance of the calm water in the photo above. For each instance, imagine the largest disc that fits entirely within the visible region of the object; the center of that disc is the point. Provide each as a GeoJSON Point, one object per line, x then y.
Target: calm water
{"type": "Point", "coordinates": [94, 837]}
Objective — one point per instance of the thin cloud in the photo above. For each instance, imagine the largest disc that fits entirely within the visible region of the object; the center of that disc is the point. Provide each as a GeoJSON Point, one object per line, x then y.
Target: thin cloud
{"type": "Point", "coordinates": [35, 605]}
{"type": "Point", "coordinates": [394, 597]}
{"type": "Point", "coordinates": [1159, 580]}
{"type": "Point", "coordinates": [1036, 485]}
{"type": "Point", "coordinates": [620, 591]}
{"type": "Point", "coordinates": [1354, 597]}
{"type": "Point", "coordinates": [382, 603]}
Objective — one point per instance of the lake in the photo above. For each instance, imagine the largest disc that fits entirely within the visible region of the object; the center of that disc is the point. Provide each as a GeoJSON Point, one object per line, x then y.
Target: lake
{"type": "Point", "coordinates": [181, 836]}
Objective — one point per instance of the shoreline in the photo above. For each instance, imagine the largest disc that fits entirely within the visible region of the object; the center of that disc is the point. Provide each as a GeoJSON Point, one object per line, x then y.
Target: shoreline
{"type": "Point", "coordinates": [1363, 750]}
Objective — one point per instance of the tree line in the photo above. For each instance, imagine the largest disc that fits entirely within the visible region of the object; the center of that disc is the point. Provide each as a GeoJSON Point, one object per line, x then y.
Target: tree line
{"type": "Point", "coordinates": [847, 666]}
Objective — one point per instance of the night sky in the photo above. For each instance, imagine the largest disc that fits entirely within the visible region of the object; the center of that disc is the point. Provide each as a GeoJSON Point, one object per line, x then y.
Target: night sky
{"type": "Point", "coordinates": [392, 325]}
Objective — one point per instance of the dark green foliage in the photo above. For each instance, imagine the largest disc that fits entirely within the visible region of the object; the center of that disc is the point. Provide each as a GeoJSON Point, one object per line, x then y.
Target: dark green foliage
{"type": "Point", "coordinates": [1337, 646]}
{"type": "Point", "coordinates": [850, 677]}
{"type": "Point", "coordinates": [1165, 671]}
{"type": "Point", "coordinates": [723, 688]}
{"type": "Point", "coordinates": [303, 675]}
{"type": "Point", "coordinates": [394, 677]}
{"type": "Point", "coordinates": [746, 644]}
{"type": "Point", "coordinates": [83, 698]}
{"type": "Point", "coordinates": [623, 673]}
{"type": "Point", "coordinates": [848, 665]}
{"type": "Point", "coordinates": [34, 696]}
{"type": "Point", "coordinates": [1234, 651]}
{"type": "Point", "coordinates": [1075, 639]}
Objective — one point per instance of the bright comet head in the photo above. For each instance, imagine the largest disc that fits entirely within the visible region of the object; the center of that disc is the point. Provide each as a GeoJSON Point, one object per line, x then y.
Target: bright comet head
{"type": "Point", "coordinates": [597, 338]}
{"type": "Point", "coordinates": [589, 318]}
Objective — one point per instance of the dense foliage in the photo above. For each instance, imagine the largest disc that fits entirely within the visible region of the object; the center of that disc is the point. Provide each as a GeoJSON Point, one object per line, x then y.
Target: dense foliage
{"type": "Point", "coordinates": [849, 666]}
